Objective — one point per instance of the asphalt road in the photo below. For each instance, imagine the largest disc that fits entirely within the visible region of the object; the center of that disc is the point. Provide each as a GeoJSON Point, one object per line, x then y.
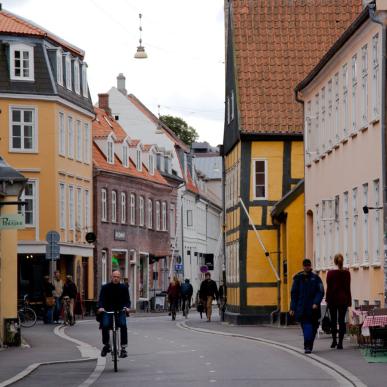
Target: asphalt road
{"type": "Point", "coordinates": [163, 354]}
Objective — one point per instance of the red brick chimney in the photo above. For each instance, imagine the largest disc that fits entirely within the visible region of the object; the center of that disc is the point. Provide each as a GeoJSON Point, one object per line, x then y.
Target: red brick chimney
{"type": "Point", "coordinates": [103, 102]}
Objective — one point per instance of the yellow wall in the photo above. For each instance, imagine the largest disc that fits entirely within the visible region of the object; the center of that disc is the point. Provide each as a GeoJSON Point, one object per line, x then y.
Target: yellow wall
{"type": "Point", "coordinates": [297, 159]}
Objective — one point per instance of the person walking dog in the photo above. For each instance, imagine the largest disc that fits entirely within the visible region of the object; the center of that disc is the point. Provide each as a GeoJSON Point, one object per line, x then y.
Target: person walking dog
{"type": "Point", "coordinates": [306, 296]}
{"type": "Point", "coordinates": [338, 299]}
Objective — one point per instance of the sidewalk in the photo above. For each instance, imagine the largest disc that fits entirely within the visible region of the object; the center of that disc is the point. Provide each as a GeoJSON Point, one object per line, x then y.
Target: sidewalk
{"type": "Point", "coordinates": [373, 375]}
{"type": "Point", "coordinates": [45, 346]}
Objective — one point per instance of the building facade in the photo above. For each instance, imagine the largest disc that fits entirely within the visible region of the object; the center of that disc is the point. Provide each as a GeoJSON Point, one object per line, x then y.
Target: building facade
{"type": "Point", "coordinates": [263, 140]}
{"type": "Point", "coordinates": [344, 156]}
{"type": "Point", "coordinates": [47, 110]}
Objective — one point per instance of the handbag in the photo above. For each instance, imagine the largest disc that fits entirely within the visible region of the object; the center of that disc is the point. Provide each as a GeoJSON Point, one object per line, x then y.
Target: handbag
{"type": "Point", "coordinates": [50, 301]}
{"type": "Point", "coordinates": [326, 324]}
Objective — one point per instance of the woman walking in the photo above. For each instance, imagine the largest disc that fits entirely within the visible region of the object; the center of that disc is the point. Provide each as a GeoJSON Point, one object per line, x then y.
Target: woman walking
{"type": "Point", "coordinates": [338, 299]}
{"type": "Point", "coordinates": [174, 293]}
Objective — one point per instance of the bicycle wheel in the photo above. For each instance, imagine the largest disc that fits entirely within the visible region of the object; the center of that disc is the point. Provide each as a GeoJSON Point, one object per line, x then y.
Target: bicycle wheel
{"type": "Point", "coordinates": [27, 317]}
{"type": "Point", "coordinates": [115, 351]}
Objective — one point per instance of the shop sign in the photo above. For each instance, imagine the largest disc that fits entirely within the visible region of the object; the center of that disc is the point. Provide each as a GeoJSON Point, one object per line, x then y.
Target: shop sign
{"type": "Point", "coordinates": [12, 221]}
{"type": "Point", "coordinates": [119, 235]}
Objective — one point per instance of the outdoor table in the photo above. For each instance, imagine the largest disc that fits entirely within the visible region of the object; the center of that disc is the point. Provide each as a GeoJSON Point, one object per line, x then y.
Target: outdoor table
{"type": "Point", "coordinates": [358, 316]}
{"type": "Point", "coordinates": [373, 321]}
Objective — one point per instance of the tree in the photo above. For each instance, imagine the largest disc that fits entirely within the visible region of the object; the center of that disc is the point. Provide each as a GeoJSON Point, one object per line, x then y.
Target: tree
{"type": "Point", "coordinates": [186, 133]}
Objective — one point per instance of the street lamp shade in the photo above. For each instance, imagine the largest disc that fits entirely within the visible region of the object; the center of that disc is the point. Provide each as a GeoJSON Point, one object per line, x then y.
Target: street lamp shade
{"type": "Point", "coordinates": [11, 181]}
{"type": "Point", "coordinates": [140, 53]}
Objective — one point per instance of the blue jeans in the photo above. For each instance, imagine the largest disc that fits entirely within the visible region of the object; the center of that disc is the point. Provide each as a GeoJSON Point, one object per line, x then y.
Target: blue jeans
{"type": "Point", "coordinates": [309, 329]}
{"type": "Point", "coordinates": [107, 323]}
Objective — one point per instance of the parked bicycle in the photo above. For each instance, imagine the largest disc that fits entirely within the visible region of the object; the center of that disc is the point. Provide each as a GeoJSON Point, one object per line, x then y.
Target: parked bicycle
{"type": "Point", "coordinates": [27, 316]}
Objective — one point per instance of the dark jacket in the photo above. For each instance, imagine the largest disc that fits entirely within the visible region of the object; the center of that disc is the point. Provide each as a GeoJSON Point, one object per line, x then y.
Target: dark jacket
{"type": "Point", "coordinates": [48, 289]}
{"type": "Point", "coordinates": [174, 291]}
{"type": "Point", "coordinates": [338, 288]}
{"type": "Point", "coordinates": [113, 297]}
{"type": "Point", "coordinates": [307, 289]}
{"type": "Point", "coordinates": [208, 288]}
{"type": "Point", "coordinates": [70, 290]}
{"type": "Point", "coordinates": [186, 289]}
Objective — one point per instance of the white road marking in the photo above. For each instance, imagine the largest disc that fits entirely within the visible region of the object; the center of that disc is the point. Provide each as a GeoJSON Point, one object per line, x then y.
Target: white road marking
{"type": "Point", "coordinates": [212, 371]}
{"type": "Point", "coordinates": [212, 380]}
{"type": "Point", "coordinates": [208, 363]}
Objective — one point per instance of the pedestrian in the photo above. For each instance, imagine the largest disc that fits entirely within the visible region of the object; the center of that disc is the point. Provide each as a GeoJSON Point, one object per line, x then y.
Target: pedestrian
{"type": "Point", "coordinates": [338, 299]}
{"type": "Point", "coordinates": [186, 295]}
{"type": "Point", "coordinates": [58, 285]}
{"type": "Point", "coordinates": [174, 293]}
{"type": "Point", "coordinates": [208, 292]}
{"type": "Point", "coordinates": [306, 296]}
{"type": "Point", "coordinates": [127, 285]}
{"type": "Point", "coordinates": [48, 299]}
{"type": "Point", "coordinates": [70, 290]}
{"type": "Point", "coordinates": [114, 297]}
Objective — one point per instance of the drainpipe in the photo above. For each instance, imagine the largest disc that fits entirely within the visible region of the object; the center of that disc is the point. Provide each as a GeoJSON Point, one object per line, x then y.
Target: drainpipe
{"type": "Point", "coordinates": [224, 277]}
{"type": "Point", "coordinates": [382, 20]}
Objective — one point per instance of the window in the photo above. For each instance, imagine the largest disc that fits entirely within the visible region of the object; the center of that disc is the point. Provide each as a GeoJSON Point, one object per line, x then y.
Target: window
{"type": "Point", "coordinates": [355, 240]}
{"type": "Point", "coordinates": [260, 182]}
{"type": "Point", "coordinates": [132, 209]}
{"type": "Point", "coordinates": [329, 122]}
{"type": "Point", "coordinates": [79, 141]}
{"type": "Point", "coordinates": [172, 220]}
{"type": "Point", "coordinates": [68, 72]}
{"type": "Point", "coordinates": [87, 144]}
{"type": "Point", "coordinates": [232, 105]}
{"type": "Point", "coordinates": [336, 122]}
{"type": "Point", "coordinates": [337, 224]}
{"type": "Point", "coordinates": [104, 267]}
{"type": "Point", "coordinates": [62, 206]}
{"type": "Point", "coordinates": [345, 101]}
{"type": "Point", "coordinates": [70, 128]}
{"type": "Point", "coordinates": [354, 87]}
{"type": "Point", "coordinates": [110, 151]}
{"type": "Point", "coordinates": [84, 80]}
{"type": "Point", "coordinates": [365, 224]}
{"type": "Point", "coordinates": [364, 87]}
{"type": "Point", "coordinates": [62, 135]}
{"type": "Point", "coordinates": [138, 160]}
{"type": "Point", "coordinates": [376, 229]}
{"type": "Point", "coordinates": [114, 206]}
{"type": "Point", "coordinates": [125, 158]}
{"type": "Point", "coordinates": [71, 208]}
{"type": "Point", "coordinates": [164, 216]}
{"type": "Point", "coordinates": [59, 67]}
{"type": "Point", "coordinates": [346, 229]}
{"type": "Point", "coordinates": [375, 77]}
{"type": "Point", "coordinates": [157, 215]}
{"type": "Point", "coordinates": [189, 218]}
{"type": "Point", "coordinates": [141, 209]}
{"type": "Point", "coordinates": [87, 209]}
{"type": "Point", "coordinates": [29, 196]}
{"type": "Point", "coordinates": [150, 213]}
{"type": "Point", "coordinates": [23, 129]}
{"type": "Point", "coordinates": [103, 205]}
{"type": "Point", "coordinates": [318, 236]}
{"type": "Point", "coordinates": [151, 164]}
{"type": "Point", "coordinates": [22, 62]}
{"type": "Point", "coordinates": [323, 120]}
{"type": "Point", "coordinates": [123, 207]}
{"type": "Point", "coordinates": [77, 80]}
{"type": "Point", "coordinates": [79, 225]}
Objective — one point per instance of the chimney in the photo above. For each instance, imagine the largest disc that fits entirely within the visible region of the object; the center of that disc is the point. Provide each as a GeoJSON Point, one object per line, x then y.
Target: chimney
{"type": "Point", "coordinates": [103, 102]}
{"type": "Point", "coordinates": [121, 84]}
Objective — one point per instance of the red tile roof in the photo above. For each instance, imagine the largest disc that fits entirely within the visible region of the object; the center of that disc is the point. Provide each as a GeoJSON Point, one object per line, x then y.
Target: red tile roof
{"type": "Point", "coordinates": [104, 124]}
{"type": "Point", "coordinates": [12, 24]}
{"type": "Point", "coordinates": [276, 44]}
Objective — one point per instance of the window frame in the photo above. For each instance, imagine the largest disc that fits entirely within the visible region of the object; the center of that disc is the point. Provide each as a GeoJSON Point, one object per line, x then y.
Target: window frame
{"type": "Point", "coordinates": [150, 213]}
{"type": "Point", "coordinates": [22, 48]}
{"type": "Point", "coordinates": [87, 209]}
{"type": "Point", "coordinates": [71, 207]}
{"type": "Point", "coordinates": [70, 138]}
{"type": "Point", "coordinates": [266, 179]}
{"type": "Point", "coordinates": [77, 77]}
{"type": "Point", "coordinates": [87, 143]}
{"type": "Point", "coordinates": [164, 216]}
{"type": "Point", "coordinates": [110, 151]}
{"type": "Point", "coordinates": [123, 207]}
{"type": "Point", "coordinates": [34, 201]}
{"type": "Point", "coordinates": [62, 134]}
{"type": "Point", "coordinates": [68, 72]}
{"type": "Point", "coordinates": [103, 204]}
{"type": "Point", "coordinates": [138, 160]}
{"type": "Point", "coordinates": [79, 144]}
{"type": "Point", "coordinates": [132, 209]}
{"type": "Point", "coordinates": [79, 217]}
{"type": "Point", "coordinates": [157, 215]}
{"type": "Point", "coordinates": [59, 66]}
{"type": "Point", "coordinates": [85, 91]}
{"type": "Point", "coordinates": [141, 207]}
{"type": "Point", "coordinates": [62, 205]}
{"type": "Point", "coordinates": [114, 206]}
{"type": "Point", "coordinates": [22, 124]}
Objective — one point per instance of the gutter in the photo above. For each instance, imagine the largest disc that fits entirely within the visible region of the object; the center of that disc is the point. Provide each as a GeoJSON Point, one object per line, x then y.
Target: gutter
{"type": "Point", "coordinates": [382, 20]}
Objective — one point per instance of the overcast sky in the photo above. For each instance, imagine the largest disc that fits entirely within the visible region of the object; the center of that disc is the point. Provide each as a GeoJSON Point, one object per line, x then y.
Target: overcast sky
{"type": "Point", "coordinates": [184, 39]}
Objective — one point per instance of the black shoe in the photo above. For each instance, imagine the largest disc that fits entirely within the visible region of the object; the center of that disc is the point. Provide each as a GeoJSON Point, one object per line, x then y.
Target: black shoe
{"type": "Point", "coordinates": [105, 350]}
{"type": "Point", "coordinates": [123, 353]}
{"type": "Point", "coordinates": [334, 344]}
{"type": "Point", "coordinates": [308, 351]}
{"type": "Point", "coordinates": [340, 346]}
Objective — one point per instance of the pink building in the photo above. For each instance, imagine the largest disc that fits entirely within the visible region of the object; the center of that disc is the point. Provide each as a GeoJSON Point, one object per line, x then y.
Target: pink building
{"type": "Point", "coordinates": [345, 168]}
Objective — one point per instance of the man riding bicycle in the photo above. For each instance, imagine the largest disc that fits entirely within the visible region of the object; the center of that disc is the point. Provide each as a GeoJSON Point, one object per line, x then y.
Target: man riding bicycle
{"type": "Point", "coordinates": [186, 295]}
{"type": "Point", "coordinates": [114, 297]}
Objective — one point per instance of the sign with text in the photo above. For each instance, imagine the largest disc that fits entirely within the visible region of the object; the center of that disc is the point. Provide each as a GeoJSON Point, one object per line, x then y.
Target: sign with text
{"type": "Point", "coordinates": [12, 221]}
{"type": "Point", "coordinates": [119, 235]}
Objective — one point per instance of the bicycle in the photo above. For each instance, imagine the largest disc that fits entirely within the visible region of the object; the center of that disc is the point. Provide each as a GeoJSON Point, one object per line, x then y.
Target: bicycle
{"type": "Point", "coordinates": [187, 306]}
{"type": "Point", "coordinates": [27, 316]}
{"type": "Point", "coordinates": [115, 339]}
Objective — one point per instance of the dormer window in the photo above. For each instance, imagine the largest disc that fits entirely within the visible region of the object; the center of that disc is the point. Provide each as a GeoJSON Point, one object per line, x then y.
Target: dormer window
{"type": "Point", "coordinates": [151, 164]}
{"type": "Point", "coordinates": [138, 160]}
{"type": "Point", "coordinates": [125, 156]}
{"type": "Point", "coordinates": [110, 151]}
{"type": "Point", "coordinates": [59, 67]}
{"type": "Point", "coordinates": [84, 80]}
{"type": "Point", "coordinates": [77, 79]}
{"type": "Point", "coordinates": [68, 72]}
{"type": "Point", "coordinates": [22, 62]}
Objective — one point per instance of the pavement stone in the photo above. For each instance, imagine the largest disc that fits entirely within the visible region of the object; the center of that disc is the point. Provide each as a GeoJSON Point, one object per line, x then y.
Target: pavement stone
{"type": "Point", "coordinates": [371, 374]}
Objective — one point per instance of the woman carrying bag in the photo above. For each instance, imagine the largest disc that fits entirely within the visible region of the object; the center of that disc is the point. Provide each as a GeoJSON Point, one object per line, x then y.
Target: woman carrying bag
{"type": "Point", "coordinates": [338, 298]}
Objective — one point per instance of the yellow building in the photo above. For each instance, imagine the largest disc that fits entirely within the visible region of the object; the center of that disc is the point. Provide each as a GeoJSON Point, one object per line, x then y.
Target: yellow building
{"type": "Point", "coordinates": [269, 49]}
{"type": "Point", "coordinates": [45, 121]}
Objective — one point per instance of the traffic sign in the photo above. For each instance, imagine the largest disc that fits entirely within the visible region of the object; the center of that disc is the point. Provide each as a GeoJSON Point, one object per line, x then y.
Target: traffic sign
{"type": "Point", "coordinates": [203, 269]}
{"type": "Point", "coordinates": [90, 237]}
{"type": "Point", "coordinates": [178, 266]}
{"type": "Point", "coordinates": [52, 237]}
{"type": "Point", "coordinates": [52, 247]}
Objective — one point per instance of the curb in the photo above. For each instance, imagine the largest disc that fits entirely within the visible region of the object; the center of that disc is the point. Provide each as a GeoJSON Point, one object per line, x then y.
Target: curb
{"type": "Point", "coordinates": [342, 376]}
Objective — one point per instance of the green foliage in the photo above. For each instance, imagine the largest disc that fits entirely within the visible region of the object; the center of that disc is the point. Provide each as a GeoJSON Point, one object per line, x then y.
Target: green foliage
{"type": "Point", "coordinates": [186, 133]}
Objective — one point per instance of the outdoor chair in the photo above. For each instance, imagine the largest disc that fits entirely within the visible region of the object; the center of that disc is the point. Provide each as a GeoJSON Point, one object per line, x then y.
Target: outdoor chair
{"type": "Point", "coordinates": [378, 340]}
